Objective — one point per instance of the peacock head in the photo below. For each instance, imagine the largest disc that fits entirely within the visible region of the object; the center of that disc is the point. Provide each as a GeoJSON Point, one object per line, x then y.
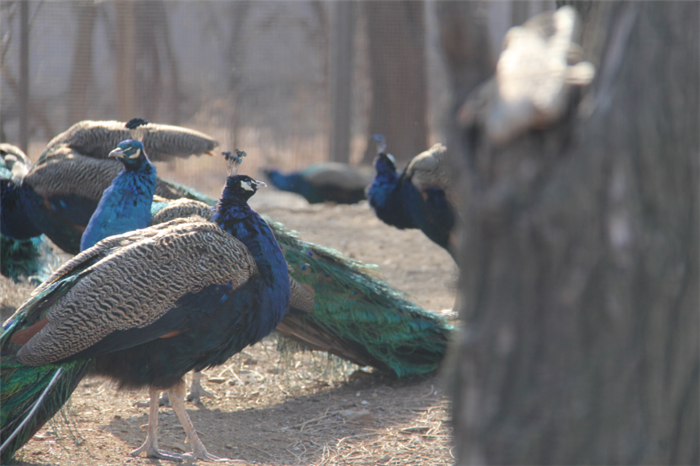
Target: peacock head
{"type": "Point", "coordinates": [131, 153]}
{"type": "Point", "coordinates": [243, 186]}
{"type": "Point", "coordinates": [240, 186]}
{"type": "Point", "coordinates": [383, 160]}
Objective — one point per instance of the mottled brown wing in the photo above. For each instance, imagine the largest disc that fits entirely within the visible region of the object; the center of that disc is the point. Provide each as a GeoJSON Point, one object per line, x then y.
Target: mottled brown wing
{"type": "Point", "coordinates": [181, 208]}
{"type": "Point", "coordinates": [136, 283]}
{"type": "Point", "coordinates": [162, 142]}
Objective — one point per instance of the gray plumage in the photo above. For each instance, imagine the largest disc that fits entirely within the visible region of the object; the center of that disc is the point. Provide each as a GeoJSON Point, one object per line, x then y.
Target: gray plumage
{"type": "Point", "coordinates": [154, 264]}
{"type": "Point", "coordinates": [161, 142]}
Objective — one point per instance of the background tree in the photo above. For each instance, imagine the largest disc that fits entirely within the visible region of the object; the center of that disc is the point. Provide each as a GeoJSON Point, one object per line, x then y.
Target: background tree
{"type": "Point", "coordinates": [579, 260]}
{"type": "Point", "coordinates": [398, 75]}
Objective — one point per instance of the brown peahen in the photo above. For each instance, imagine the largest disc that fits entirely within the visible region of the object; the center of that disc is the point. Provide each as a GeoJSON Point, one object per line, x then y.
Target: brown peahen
{"type": "Point", "coordinates": [144, 308]}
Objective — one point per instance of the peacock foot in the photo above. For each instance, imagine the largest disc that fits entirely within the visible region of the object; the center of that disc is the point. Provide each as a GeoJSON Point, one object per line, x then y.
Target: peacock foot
{"type": "Point", "coordinates": [196, 389]}
{"type": "Point", "coordinates": [204, 455]}
{"type": "Point", "coordinates": [153, 452]}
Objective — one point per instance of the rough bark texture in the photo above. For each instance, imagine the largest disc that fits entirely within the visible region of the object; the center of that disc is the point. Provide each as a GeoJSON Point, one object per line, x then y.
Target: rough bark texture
{"type": "Point", "coordinates": [399, 87]}
{"type": "Point", "coordinates": [579, 260]}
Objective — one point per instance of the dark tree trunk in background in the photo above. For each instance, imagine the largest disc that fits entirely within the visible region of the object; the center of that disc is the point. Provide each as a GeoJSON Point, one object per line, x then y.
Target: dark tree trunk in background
{"type": "Point", "coordinates": [579, 261]}
{"type": "Point", "coordinates": [341, 66]}
{"type": "Point", "coordinates": [24, 77]}
{"type": "Point", "coordinates": [398, 74]}
{"type": "Point", "coordinates": [126, 59]}
{"type": "Point", "coordinates": [81, 73]}
{"type": "Point", "coordinates": [236, 58]}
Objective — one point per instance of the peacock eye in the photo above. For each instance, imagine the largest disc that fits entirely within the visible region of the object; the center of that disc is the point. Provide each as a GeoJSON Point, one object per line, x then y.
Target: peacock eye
{"type": "Point", "coordinates": [136, 154]}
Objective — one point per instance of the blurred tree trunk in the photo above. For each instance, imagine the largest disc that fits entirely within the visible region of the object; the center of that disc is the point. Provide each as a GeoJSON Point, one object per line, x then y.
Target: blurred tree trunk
{"type": "Point", "coordinates": [126, 58]}
{"type": "Point", "coordinates": [579, 261]}
{"type": "Point", "coordinates": [236, 58]}
{"type": "Point", "coordinates": [398, 73]}
{"type": "Point", "coordinates": [81, 73]}
{"type": "Point", "coordinates": [341, 66]}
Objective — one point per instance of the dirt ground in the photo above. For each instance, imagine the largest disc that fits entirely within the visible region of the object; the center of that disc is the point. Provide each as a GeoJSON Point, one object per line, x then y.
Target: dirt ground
{"type": "Point", "coordinates": [274, 408]}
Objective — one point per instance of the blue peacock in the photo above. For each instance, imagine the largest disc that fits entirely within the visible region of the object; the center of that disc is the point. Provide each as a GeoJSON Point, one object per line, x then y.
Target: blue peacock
{"type": "Point", "coordinates": [348, 311]}
{"type": "Point", "coordinates": [58, 195]}
{"type": "Point", "coordinates": [144, 308]}
{"type": "Point", "coordinates": [355, 315]}
{"type": "Point", "coordinates": [418, 197]}
{"type": "Point", "coordinates": [24, 251]}
{"type": "Point", "coordinates": [324, 182]}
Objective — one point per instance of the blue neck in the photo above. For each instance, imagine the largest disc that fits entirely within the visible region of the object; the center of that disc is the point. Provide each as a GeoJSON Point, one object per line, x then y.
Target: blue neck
{"type": "Point", "coordinates": [384, 183]}
{"type": "Point", "coordinates": [124, 206]}
{"type": "Point", "coordinates": [237, 218]}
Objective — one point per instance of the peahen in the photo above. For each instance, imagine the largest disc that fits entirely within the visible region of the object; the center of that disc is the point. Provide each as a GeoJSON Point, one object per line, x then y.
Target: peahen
{"type": "Point", "coordinates": [30, 256]}
{"type": "Point", "coordinates": [324, 181]}
{"type": "Point", "coordinates": [59, 193]}
{"type": "Point", "coordinates": [415, 198]}
{"type": "Point", "coordinates": [144, 308]}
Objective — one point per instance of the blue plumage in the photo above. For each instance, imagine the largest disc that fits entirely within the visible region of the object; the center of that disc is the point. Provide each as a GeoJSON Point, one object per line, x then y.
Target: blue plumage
{"type": "Point", "coordinates": [126, 204]}
{"type": "Point", "coordinates": [323, 182]}
{"type": "Point", "coordinates": [105, 295]}
{"type": "Point", "coordinates": [397, 202]}
{"type": "Point", "coordinates": [24, 251]}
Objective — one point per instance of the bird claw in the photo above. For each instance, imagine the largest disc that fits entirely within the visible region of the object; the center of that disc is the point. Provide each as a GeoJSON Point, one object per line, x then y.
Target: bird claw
{"type": "Point", "coordinates": [195, 395]}
{"type": "Point", "coordinates": [204, 455]}
{"type": "Point", "coordinates": [152, 452]}
{"type": "Point", "coordinates": [197, 392]}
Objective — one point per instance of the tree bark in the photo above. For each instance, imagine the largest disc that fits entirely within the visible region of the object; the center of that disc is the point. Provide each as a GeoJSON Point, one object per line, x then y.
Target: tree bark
{"type": "Point", "coordinates": [579, 262]}
{"type": "Point", "coordinates": [341, 66]}
{"type": "Point", "coordinates": [126, 57]}
{"type": "Point", "coordinates": [81, 72]}
{"type": "Point", "coordinates": [398, 74]}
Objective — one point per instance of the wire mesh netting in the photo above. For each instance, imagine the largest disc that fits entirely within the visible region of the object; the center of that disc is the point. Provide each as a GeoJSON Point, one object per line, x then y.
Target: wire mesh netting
{"type": "Point", "coordinates": [268, 77]}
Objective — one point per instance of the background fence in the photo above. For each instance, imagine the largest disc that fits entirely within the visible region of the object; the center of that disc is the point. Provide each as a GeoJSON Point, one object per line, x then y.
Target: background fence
{"type": "Point", "coordinates": [293, 82]}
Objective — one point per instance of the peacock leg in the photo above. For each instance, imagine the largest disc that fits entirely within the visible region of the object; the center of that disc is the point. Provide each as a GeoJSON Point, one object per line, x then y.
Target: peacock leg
{"type": "Point", "coordinates": [150, 446]}
{"type": "Point", "coordinates": [177, 394]}
{"type": "Point", "coordinates": [196, 389]}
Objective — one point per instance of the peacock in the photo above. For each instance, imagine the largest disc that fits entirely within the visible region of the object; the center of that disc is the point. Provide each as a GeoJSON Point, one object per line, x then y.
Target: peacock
{"type": "Point", "coordinates": [143, 308]}
{"type": "Point", "coordinates": [60, 192]}
{"type": "Point", "coordinates": [356, 316]}
{"type": "Point", "coordinates": [29, 256]}
{"type": "Point", "coordinates": [419, 197]}
{"type": "Point", "coordinates": [338, 305]}
{"type": "Point", "coordinates": [128, 205]}
{"type": "Point", "coordinates": [325, 181]}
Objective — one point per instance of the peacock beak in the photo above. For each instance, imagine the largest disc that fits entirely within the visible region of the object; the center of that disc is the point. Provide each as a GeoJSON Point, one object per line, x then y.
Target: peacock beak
{"type": "Point", "coordinates": [259, 184]}
{"type": "Point", "coordinates": [117, 153]}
